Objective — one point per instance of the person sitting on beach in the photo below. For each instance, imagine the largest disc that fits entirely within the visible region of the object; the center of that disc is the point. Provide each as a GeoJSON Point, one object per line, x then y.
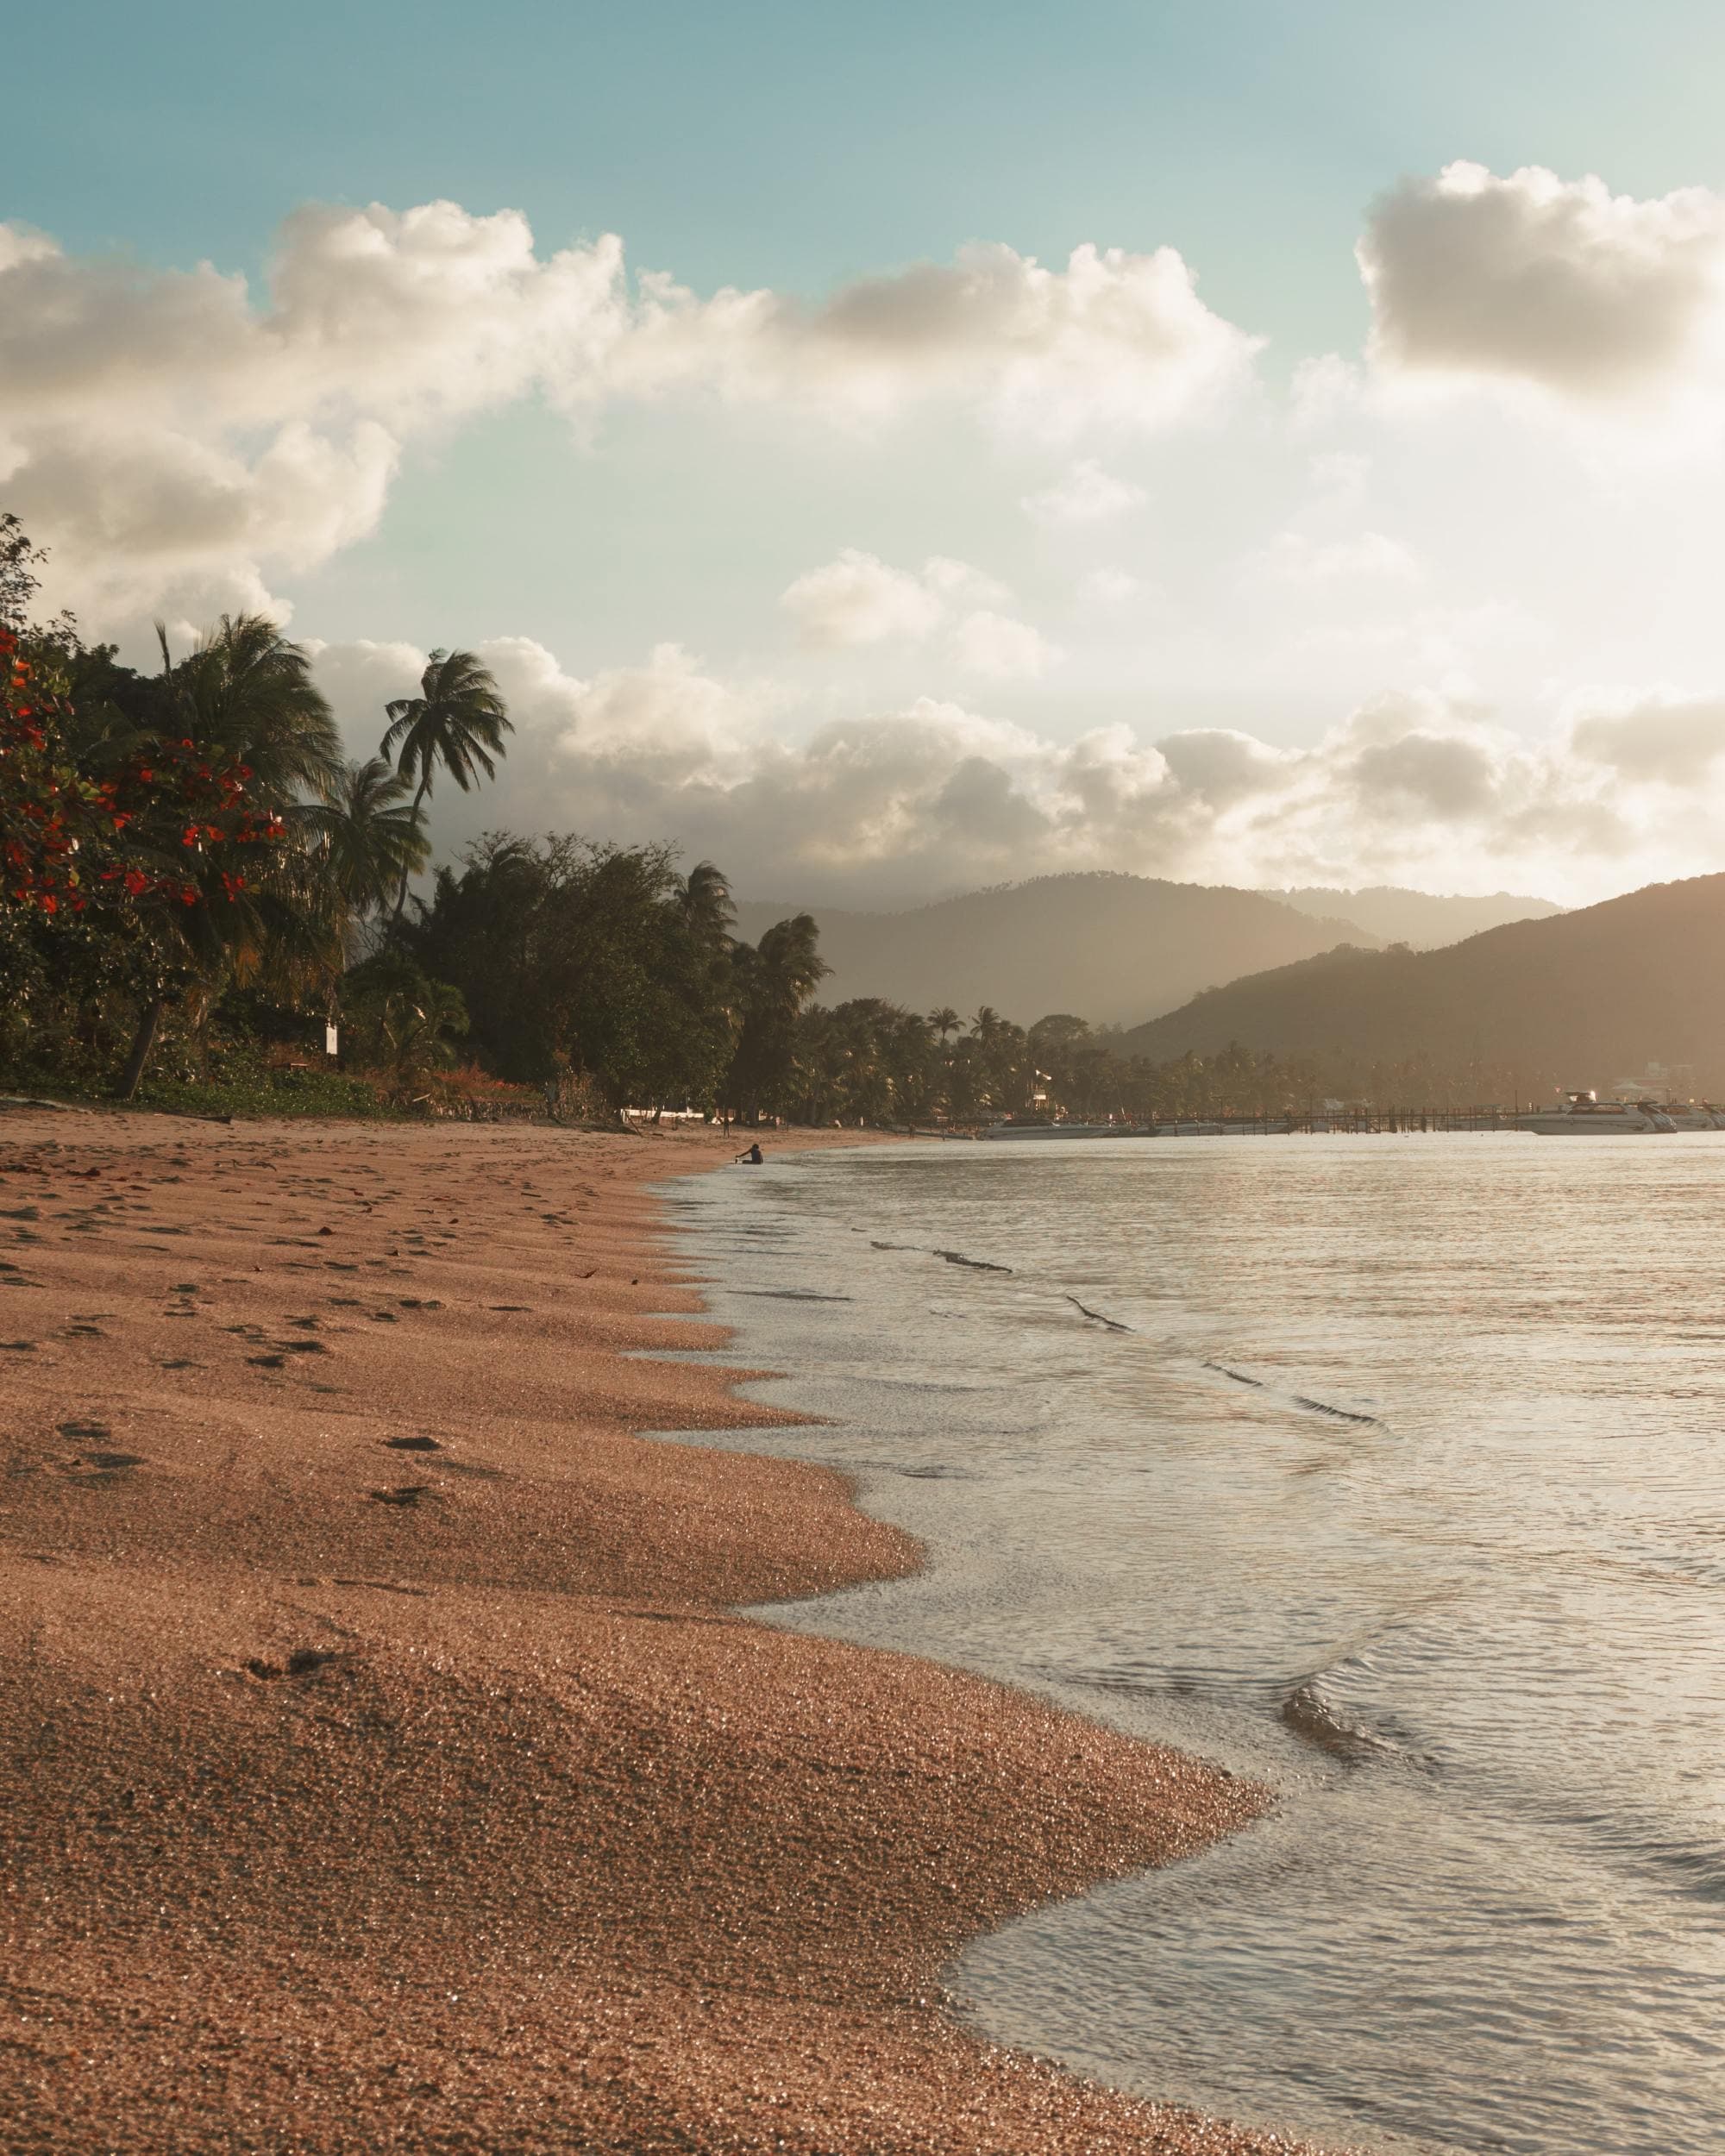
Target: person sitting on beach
{"type": "Point", "coordinates": [754, 1156]}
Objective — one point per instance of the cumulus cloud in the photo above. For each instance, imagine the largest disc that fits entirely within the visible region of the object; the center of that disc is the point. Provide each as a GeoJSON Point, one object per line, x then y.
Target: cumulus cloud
{"type": "Point", "coordinates": [1556, 283]}
{"type": "Point", "coordinates": [168, 428]}
{"type": "Point", "coordinates": [857, 598]}
{"type": "Point", "coordinates": [1004, 649]}
{"type": "Point", "coordinates": [1086, 495]}
{"type": "Point", "coordinates": [1673, 740]}
{"type": "Point", "coordinates": [1422, 788]}
{"type": "Point", "coordinates": [1113, 340]}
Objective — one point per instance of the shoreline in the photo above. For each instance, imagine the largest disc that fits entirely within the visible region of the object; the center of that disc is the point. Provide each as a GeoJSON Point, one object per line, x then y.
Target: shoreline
{"type": "Point", "coordinates": [386, 1766]}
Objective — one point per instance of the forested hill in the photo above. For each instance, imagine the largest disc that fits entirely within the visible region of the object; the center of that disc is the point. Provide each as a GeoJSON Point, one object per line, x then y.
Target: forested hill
{"type": "Point", "coordinates": [1423, 918]}
{"type": "Point", "coordinates": [1108, 947]}
{"type": "Point", "coordinates": [1582, 999]}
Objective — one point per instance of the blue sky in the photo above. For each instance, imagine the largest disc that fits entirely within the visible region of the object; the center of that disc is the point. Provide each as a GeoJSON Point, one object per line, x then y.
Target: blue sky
{"type": "Point", "coordinates": [1479, 539]}
{"type": "Point", "coordinates": [798, 145]}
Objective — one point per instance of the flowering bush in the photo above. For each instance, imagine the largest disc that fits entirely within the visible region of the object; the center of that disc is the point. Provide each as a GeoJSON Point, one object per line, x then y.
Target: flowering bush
{"type": "Point", "coordinates": [121, 872]}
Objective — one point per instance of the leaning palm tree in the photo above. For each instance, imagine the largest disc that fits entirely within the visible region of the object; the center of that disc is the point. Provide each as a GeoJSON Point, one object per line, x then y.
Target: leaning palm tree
{"type": "Point", "coordinates": [367, 836]}
{"type": "Point", "coordinates": [457, 721]}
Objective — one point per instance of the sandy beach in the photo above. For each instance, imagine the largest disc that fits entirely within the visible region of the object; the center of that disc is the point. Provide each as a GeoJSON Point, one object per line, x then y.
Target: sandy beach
{"type": "Point", "coordinates": [383, 1766]}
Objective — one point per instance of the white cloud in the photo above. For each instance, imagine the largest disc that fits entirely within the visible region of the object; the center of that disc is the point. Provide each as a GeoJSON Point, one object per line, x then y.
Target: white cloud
{"type": "Point", "coordinates": [1656, 736]}
{"type": "Point", "coordinates": [165, 428]}
{"type": "Point", "coordinates": [1532, 278]}
{"type": "Point", "coordinates": [1086, 495]}
{"type": "Point", "coordinates": [1425, 788]}
{"type": "Point", "coordinates": [1114, 340]}
{"type": "Point", "coordinates": [858, 600]}
{"type": "Point", "coordinates": [1004, 649]}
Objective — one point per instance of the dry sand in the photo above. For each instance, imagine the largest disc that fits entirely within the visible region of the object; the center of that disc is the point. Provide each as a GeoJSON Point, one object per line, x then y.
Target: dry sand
{"type": "Point", "coordinates": [382, 1767]}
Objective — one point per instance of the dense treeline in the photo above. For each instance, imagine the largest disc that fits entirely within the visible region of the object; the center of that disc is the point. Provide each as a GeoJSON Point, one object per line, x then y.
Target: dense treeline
{"type": "Point", "coordinates": [197, 880]}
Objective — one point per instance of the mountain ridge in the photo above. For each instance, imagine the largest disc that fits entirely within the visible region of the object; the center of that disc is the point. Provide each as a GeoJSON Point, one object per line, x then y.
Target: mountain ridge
{"type": "Point", "coordinates": [1584, 998]}
{"type": "Point", "coordinates": [1103, 944]}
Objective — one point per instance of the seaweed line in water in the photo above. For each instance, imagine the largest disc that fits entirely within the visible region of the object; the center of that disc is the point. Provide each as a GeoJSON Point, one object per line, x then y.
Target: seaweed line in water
{"type": "Point", "coordinates": [1323, 1408]}
{"type": "Point", "coordinates": [975, 1265]}
{"type": "Point", "coordinates": [1300, 1400]}
{"type": "Point", "coordinates": [1112, 1324]}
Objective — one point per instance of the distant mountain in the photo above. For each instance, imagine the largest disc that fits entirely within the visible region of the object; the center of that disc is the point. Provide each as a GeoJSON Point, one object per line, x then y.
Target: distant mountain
{"type": "Point", "coordinates": [1584, 999]}
{"type": "Point", "coordinates": [1418, 918]}
{"type": "Point", "coordinates": [1106, 947]}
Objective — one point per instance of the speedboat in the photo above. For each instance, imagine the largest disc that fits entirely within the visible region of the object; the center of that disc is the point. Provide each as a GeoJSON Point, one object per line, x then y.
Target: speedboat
{"type": "Point", "coordinates": [1586, 1115]}
{"type": "Point", "coordinates": [1694, 1115]}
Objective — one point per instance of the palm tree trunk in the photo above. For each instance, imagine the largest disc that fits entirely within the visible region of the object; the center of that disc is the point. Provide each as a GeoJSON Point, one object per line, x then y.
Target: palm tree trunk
{"type": "Point", "coordinates": [401, 895]}
{"type": "Point", "coordinates": [142, 1042]}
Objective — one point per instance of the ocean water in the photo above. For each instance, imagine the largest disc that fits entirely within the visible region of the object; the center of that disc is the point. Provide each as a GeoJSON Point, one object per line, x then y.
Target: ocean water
{"type": "Point", "coordinates": [1390, 1470]}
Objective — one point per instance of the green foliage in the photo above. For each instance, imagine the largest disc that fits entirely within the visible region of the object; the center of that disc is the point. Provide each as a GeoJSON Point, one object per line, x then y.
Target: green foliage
{"type": "Point", "coordinates": [402, 1024]}
{"type": "Point", "coordinates": [592, 961]}
{"type": "Point", "coordinates": [246, 1084]}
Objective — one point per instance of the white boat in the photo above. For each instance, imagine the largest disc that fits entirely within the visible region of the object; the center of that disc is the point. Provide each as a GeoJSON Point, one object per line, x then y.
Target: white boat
{"type": "Point", "coordinates": [1694, 1115]}
{"type": "Point", "coordinates": [1586, 1115]}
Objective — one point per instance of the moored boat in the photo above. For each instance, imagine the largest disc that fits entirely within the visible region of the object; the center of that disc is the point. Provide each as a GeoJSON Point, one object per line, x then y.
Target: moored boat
{"type": "Point", "coordinates": [1586, 1115]}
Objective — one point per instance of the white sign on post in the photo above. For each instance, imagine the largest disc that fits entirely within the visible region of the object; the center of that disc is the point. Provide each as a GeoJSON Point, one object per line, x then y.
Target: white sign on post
{"type": "Point", "coordinates": [331, 1040]}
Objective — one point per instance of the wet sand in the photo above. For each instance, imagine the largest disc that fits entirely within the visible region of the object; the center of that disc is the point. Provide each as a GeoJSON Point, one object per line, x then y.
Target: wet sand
{"type": "Point", "coordinates": [382, 1766]}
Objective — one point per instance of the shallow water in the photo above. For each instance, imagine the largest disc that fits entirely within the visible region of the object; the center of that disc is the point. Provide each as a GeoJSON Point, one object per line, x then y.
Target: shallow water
{"type": "Point", "coordinates": [1404, 1489]}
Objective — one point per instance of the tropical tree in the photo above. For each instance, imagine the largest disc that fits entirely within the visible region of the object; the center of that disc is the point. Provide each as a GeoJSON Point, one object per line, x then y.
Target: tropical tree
{"type": "Point", "coordinates": [246, 696]}
{"type": "Point", "coordinates": [702, 899]}
{"type": "Point", "coordinates": [455, 724]}
{"type": "Point", "coordinates": [774, 980]}
{"type": "Point", "coordinates": [403, 1023]}
{"type": "Point", "coordinates": [366, 837]}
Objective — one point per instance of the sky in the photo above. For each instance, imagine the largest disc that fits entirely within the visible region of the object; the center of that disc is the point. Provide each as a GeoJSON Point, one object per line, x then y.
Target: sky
{"type": "Point", "coordinates": [898, 450]}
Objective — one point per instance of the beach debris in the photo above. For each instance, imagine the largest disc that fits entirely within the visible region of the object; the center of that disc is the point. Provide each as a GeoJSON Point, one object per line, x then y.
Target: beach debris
{"type": "Point", "coordinates": [975, 1264]}
{"type": "Point", "coordinates": [301, 1663]}
{"type": "Point", "coordinates": [403, 1494]}
{"type": "Point", "coordinates": [1239, 1376]}
{"type": "Point", "coordinates": [413, 1445]}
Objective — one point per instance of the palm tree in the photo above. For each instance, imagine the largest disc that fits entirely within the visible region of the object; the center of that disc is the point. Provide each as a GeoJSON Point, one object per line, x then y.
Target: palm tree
{"type": "Point", "coordinates": [246, 693]}
{"type": "Point", "coordinates": [944, 1021]}
{"type": "Point", "coordinates": [773, 982]}
{"type": "Point", "coordinates": [458, 720]}
{"type": "Point", "coordinates": [367, 836]}
{"type": "Point", "coordinates": [702, 899]}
